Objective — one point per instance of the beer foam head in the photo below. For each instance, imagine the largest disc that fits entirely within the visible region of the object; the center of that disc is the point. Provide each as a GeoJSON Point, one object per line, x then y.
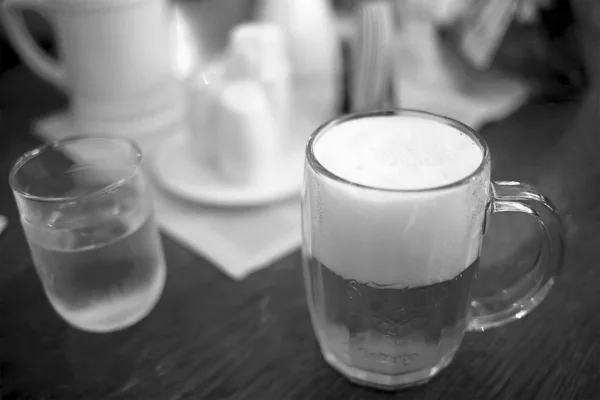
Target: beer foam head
{"type": "Point", "coordinates": [402, 238]}
{"type": "Point", "coordinates": [400, 152]}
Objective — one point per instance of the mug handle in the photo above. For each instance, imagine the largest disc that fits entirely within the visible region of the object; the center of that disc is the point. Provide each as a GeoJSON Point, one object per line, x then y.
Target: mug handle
{"type": "Point", "coordinates": [37, 59]}
{"type": "Point", "coordinates": [518, 300]}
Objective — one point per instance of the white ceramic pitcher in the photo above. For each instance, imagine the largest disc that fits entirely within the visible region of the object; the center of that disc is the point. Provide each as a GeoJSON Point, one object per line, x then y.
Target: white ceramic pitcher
{"type": "Point", "coordinates": [114, 59]}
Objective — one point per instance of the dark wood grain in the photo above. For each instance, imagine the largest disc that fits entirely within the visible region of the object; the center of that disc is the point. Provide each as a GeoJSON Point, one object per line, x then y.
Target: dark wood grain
{"type": "Point", "coordinates": [213, 338]}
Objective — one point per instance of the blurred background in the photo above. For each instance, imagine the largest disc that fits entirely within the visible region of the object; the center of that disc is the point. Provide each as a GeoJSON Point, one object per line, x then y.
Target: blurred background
{"type": "Point", "coordinates": [544, 44]}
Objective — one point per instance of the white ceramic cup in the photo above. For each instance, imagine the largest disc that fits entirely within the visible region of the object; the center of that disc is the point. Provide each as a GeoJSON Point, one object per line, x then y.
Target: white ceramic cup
{"type": "Point", "coordinates": [114, 58]}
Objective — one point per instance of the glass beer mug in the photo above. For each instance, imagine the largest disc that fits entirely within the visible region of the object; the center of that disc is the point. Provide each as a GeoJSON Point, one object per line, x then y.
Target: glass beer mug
{"type": "Point", "coordinates": [394, 210]}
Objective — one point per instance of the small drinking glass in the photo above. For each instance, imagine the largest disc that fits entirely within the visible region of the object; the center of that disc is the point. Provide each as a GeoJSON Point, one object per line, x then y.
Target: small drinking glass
{"type": "Point", "coordinates": [88, 216]}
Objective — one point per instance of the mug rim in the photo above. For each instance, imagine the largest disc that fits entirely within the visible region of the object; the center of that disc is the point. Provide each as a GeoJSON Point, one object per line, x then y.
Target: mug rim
{"type": "Point", "coordinates": [30, 155]}
{"type": "Point", "coordinates": [316, 165]}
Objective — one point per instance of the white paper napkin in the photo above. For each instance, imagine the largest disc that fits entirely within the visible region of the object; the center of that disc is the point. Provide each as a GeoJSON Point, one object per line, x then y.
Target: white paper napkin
{"type": "Point", "coordinates": [238, 241]}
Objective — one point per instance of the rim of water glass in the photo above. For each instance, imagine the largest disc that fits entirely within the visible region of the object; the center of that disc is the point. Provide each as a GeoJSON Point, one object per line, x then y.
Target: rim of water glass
{"type": "Point", "coordinates": [32, 154]}
{"type": "Point", "coordinates": [316, 165]}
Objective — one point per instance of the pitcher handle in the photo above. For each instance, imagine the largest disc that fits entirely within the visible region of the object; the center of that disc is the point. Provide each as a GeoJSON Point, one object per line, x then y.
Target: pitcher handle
{"type": "Point", "coordinates": [36, 58]}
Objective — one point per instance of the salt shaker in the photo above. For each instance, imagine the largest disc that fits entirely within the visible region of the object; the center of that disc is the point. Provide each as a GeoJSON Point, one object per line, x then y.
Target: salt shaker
{"type": "Point", "coordinates": [257, 51]}
{"type": "Point", "coordinates": [313, 45]}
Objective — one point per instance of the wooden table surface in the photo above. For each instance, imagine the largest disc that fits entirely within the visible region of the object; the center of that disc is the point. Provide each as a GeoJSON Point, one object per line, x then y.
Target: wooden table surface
{"type": "Point", "coordinates": [213, 338]}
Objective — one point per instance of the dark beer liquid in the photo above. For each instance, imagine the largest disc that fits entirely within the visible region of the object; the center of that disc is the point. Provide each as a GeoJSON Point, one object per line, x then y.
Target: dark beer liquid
{"type": "Point", "coordinates": [388, 330]}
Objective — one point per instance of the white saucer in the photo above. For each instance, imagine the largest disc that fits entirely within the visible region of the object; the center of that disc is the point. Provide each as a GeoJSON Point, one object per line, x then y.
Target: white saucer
{"type": "Point", "coordinates": [176, 170]}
